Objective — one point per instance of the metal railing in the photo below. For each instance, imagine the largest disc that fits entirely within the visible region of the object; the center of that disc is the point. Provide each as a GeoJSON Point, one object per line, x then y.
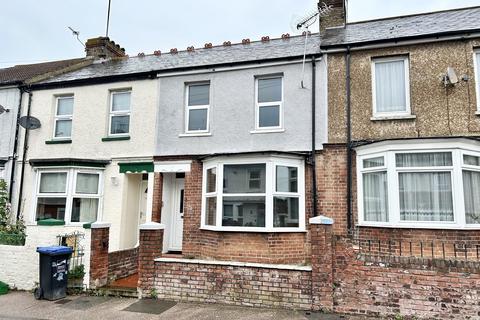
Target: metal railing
{"type": "Point", "coordinates": [76, 273]}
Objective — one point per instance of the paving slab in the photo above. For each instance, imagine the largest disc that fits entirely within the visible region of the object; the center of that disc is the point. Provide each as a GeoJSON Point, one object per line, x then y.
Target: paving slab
{"type": "Point", "coordinates": [23, 306]}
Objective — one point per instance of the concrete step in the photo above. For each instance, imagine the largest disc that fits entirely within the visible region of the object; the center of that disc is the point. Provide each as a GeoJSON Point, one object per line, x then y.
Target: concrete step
{"type": "Point", "coordinates": [116, 292]}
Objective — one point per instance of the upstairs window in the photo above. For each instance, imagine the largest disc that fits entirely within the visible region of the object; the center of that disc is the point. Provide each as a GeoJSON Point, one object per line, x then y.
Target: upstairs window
{"type": "Point", "coordinates": [390, 87]}
{"type": "Point", "coordinates": [269, 104]}
{"type": "Point", "coordinates": [71, 195]}
{"type": "Point", "coordinates": [197, 109]}
{"type": "Point", "coordinates": [63, 118]}
{"type": "Point", "coordinates": [476, 62]}
{"type": "Point", "coordinates": [257, 194]}
{"type": "Point", "coordinates": [120, 113]}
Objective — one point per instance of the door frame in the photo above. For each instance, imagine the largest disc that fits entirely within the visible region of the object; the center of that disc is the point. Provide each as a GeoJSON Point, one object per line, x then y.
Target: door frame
{"type": "Point", "coordinates": [175, 209]}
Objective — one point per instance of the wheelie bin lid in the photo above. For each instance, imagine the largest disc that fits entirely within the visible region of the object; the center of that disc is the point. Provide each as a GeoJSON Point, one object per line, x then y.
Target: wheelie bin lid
{"type": "Point", "coordinates": [54, 250]}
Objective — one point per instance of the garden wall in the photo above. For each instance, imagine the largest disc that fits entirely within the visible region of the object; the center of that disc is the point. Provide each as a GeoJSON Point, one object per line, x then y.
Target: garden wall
{"type": "Point", "coordinates": [19, 264]}
{"type": "Point", "coordinates": [122, 264]}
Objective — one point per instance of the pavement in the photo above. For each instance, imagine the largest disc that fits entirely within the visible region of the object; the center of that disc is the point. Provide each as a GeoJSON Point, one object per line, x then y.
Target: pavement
{"type": "Point", "coordinates": [22, 305]}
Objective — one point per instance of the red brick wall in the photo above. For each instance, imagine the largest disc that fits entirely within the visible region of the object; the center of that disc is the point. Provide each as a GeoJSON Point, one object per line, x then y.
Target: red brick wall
{"type": "Point", "coordinates": [150, 247]}
{"type": "Point", "coordinates": [332, 185]}
{"type": "Point", "coordinates": [246, 286]}
{"type": "Point", "coordinates": [157, 198]}
{"type": "Point", "coordinates": [239, 246]}
{"type": "Point", "coordinates": [408, 290]}
{"type": "Point", "coordinates": [122, 264]}
{"type": "Point", "coordinates": [99, 257]}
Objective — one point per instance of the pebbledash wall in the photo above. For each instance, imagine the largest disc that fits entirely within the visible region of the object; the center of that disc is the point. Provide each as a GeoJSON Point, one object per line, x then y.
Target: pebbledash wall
{"type": "Point", "coordinates": [20, 263]}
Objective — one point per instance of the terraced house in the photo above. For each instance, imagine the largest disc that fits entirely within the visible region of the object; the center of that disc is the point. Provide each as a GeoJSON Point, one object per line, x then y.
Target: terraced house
{"type": "Point", "coordinates": [335, 171]}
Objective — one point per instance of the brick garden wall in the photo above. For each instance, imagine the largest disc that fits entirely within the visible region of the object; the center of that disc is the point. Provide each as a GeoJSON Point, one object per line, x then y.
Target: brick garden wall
{"type": "Point", "coordinates": [235, 285]}
{"type": "Point", "coordinates": [122, 264]}
{"type": "Point", "coordinates": [421, 288]}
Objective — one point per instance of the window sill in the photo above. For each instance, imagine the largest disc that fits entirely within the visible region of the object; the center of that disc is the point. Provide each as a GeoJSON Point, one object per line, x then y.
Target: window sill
{"type": "Point", "coordinates": [202, 134]}
{"type": "Point", "coordinates": [253, 230]}
{"type": "Point", "coordinates": [389, 118]}
{"type": "Point", "coordinates": [260, 131]}
{"type": "Point", "coordinates": [58, 141]}
{"type": "Point", "coordinates": [120, 138]}
{"type": "Point", "coordinates": [477, 113]}
{"type": "Point", "coordinates": [420, 226]}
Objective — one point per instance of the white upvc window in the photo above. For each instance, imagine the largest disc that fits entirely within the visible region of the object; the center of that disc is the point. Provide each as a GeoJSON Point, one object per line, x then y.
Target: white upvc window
{"type": "Point", "coordinates": [269, 103]}
{"type": "Point", "coordinates": [120, 109]}
{"type": "Point", "coordinates": [476, 63]}
{"type": "Point", "coordinates": [62, 128]}
{"type": "Point", "coordinates": [391, 87]}
{"type": "Point", "coordinates": [69, 194]}
{"type": "Point", "coordinates": [260, 194]}
{"type": "Point", "coordinates": [197, 108]}
{"type": "Point", "coordinates": [2, 171]}
{"type": "Point", "coordinates": [419, 185]}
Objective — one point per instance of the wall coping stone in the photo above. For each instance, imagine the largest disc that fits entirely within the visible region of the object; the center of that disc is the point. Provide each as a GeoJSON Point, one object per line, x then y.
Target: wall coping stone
{"type": "Point", "coordinates": [100, 225]}
{"type": "Point", "coordinates": [321, 220]}
{"type": "Point", "coordinates": [152, 226]}
{"type": "Point", "coordinates": [236, 264]}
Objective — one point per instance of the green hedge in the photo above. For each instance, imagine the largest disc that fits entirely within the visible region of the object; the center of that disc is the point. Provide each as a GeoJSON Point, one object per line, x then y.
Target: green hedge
{"type": "Point", "coordinates": [12, 239]}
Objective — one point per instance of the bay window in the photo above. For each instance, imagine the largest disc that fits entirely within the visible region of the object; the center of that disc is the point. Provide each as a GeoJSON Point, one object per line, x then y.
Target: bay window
{"type": "Point", "coordinates": [71, 195]}
{"type": "Point", "coordinates": [413, 186]}
{"type": "Point", "coordinates": [254, 194]}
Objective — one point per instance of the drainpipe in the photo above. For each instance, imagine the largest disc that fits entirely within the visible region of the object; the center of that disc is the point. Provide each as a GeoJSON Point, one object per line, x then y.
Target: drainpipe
{"type": "Point", "coordinates": [314, 167]}
{"type": "Point", "coordinates": [15, 146]}
{"type": "Point", "coordinates": [349, 142]}
{"type": "Point", "coordinates": [24, 157]}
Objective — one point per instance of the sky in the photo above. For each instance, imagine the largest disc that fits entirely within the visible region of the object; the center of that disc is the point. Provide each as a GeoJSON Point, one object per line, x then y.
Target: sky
{"type": "Point", "coordinates": [35, 31]}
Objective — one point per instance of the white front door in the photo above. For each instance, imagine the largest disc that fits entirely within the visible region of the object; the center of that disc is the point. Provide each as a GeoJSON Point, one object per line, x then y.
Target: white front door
{"type": "Point", "coordinates": [176, 226]}
{"type": "Point", "coordinates": [143, 202]}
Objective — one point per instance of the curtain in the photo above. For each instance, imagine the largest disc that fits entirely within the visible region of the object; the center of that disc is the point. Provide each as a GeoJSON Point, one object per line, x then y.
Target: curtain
{"type": "Point", "coordinates": [471, 191]}
{"type": "Point", "coordinates": [375, 196]}
{"type": "Point", "coordinates": [390, 86]}
{"type": "Point", "coordinates": [84, 209]}
{"type": "Point", "coordinates": [121, 101]}
{"type": "Point", "coordinates": [425, 196]}
{"type": "Point", "coordinates": [428, 159]}
{"type": "Point", "coordinates": [87, 183]}
{"type": "Point", "coordinates": [373, 162]}
{"type": "Point", "coordinates": [55, 182]}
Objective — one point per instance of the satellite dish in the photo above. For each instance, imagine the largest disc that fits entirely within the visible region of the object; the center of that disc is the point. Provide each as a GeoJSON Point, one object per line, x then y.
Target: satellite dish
{"type": "Point", "coordinates": [29, 122]}
{"type": "Point", "coordinates": [452, 76]}
{"type": "Point", "coordinates": [3, 109]}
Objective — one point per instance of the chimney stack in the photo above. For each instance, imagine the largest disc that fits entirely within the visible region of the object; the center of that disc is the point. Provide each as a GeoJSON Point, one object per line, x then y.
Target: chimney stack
{"type": "Point", "coordinates": [337, 16]}
{"type": "Point", "coordinates": [103, 47]}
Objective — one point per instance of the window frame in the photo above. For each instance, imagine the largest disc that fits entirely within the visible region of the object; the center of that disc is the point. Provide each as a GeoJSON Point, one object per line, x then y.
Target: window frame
{"type": "Point", "coordinates": [380, 114]}
{"type": "Point", "coordinates": [62, 117]}
{"type": "Point", "coordinates": [458, 149]}
{"type": "Point", "coordinates": [70, 191]}
{"type": "Point", "coordinates": [113, 114]}
{"type": "Point", "coordinates": [258, 105]}
{"type": "Point", "coordinates": [199, 107]}
{"type": "Point", "coordinates": [476, 70]}
{"type": "Point", "coordinates": [270, 192]}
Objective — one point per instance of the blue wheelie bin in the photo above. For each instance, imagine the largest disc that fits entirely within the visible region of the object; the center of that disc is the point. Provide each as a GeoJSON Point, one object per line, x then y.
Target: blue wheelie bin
{"type": "Point", "coordinates": [54, 263]}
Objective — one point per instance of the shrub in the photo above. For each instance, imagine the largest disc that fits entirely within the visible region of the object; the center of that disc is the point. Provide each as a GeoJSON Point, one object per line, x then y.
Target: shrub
{"type": "Point", "coordinates": [10, 233]}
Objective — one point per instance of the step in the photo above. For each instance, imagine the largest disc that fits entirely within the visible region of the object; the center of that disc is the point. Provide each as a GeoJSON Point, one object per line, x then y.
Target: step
{"type": "Point", "coordinates": [116, 292]}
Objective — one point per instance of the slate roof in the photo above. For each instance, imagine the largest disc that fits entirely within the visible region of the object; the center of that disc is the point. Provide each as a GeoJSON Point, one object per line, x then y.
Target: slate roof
{"type": "Point", "coordinates": [20, 73]}
{"type": "Point", "coordinates": [217, 55]}
{"type": "Point", "coordinates": [421, 25]}
{"type": "Point", "coordinates": [427, 24]}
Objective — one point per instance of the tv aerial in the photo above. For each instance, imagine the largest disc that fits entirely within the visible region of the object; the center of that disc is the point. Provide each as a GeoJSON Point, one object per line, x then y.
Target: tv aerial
{"type": "Point", "coordinates": [29, 122]}
{"type": "Point", "coordinates": [3, 109]}
{"type": "Point", "coordinates": [301, 25]}
{"type": "Point", "coordinates": [77, 34]}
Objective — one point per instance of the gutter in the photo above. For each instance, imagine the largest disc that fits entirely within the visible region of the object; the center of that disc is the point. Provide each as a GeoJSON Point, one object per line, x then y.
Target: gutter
{"type": "Point", "coordinates": [15, 146]}
{"type": "Point", "coordinates": [397, 42]}
{"type": "Point", "coordinates": [153, 74]}
{"type": "Point", "coordinates": [24, 156]}
{"type": "Point", "coordinates": [349, 140]}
